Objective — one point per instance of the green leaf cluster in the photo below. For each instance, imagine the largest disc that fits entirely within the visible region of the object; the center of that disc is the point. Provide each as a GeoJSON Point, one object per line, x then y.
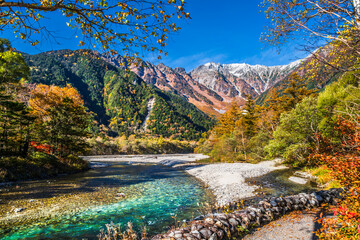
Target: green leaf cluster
{"type": "Point", "coordinates": [298, 134]}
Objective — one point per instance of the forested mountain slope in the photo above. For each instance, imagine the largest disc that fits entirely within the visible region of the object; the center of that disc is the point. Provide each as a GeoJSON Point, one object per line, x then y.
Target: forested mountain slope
{"type": "Point", "coordinates": [119, 98]}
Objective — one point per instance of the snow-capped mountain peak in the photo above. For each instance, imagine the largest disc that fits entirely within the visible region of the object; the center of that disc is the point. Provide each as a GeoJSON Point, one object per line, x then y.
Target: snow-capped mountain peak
{"type": "Point", "coordinates": [259, 77]}
{"type": "Point", "coordinates": [213, 86]}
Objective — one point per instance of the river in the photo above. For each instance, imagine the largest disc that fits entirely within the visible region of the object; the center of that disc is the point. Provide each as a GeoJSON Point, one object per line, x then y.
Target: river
{"type": "Point", "coordinates": [78, 206]}
{"type": "Point", "coordinates": [120, 190]}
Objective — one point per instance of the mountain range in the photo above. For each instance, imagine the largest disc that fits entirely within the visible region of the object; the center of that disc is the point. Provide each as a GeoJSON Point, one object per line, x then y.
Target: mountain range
{"type": "Point", "coordinates": [120, 100]}
{"type": "Point", "coordinates": [157, 99]}
{"type": "Point", "coordinates": [212, 87]}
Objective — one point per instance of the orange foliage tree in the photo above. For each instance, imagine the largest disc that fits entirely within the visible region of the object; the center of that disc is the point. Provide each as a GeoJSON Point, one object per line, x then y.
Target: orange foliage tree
{"type": "Point", "coordinates": [229, 121]}
{"type": "Point", "coordinates": [62, 121]}
{"type": "Point", "coordinates": [343, 158]}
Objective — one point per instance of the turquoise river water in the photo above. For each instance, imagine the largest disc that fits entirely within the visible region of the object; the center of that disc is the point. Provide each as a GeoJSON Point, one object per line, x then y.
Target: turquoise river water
{"type": "Point", "coordinates": [155, 197]}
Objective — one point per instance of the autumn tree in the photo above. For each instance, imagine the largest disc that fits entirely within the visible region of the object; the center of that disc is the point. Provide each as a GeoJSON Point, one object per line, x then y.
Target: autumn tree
{"type": "Point", "coordinates": [249, 117]}
{"type": "Point", "coordinates": [296, 134]}
{"type": "Point", "coordinates": [282, 99]}
{"type": "Point", "coordinates": [340, 152]}
{"type": "Point", "coordinates": [229, 120]}
{"type": "Point", "coordinates": [318, 20]}
{"type": "Point", "coordinates": [230, 138]}
{"type": "Point", "coordinates": [129, 27]}
{"type": "Point", "coordinates": [294, 91]}
{"type": "Point", "coordinates": [271, 111]}
{"type": "Point", "coordinates": [62, 120]}
{"type": "Point", "coordinates": [12, 64]}
{"type": "Point", "coordinates": [332, 25]}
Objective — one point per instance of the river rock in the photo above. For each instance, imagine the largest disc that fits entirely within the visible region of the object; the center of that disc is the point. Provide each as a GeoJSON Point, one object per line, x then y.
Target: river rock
{"type": "Point", "coordinates": [201, 217]}
{"type": "Point", "coordinates": [196, 234]}
{"type": "Point", "coordinates": [121, 194]}
{"type": "Point", "coordinates": [220, 234]}
{"type": "Point", "coordinates": [186, 229]}
{"type": "Point", "coordinates": [233, 222]}
{"type": "Point", "coordinates": [317, 197]}
{"type": "Point", "coordinates": [221, 216]}
{"type": "Point", "coordinates": [273, 203]}
{"type": "Point", "coordinates": [210, 221]}
{"type": "Point", "coordinates": [213, 237]}
{"type": "Point", "coordinates": [298, 180]}
{"type": "Point", "coordinates": [178, 236]}
{"type": "Point", "coordinates": [225, 224]}
{"type": "Point", "coordinates": [171, 234]}
{"type": "Point", "coordinates": [188, 236]}
{"type": "Point", "coordinates": [305, 175]}
{"type": "Point", "coordinates": [196, 227]}
{"type": "Point", "coordinates": [206, 233]}
{"type": "Point", "coordinates": [17, 210]}
{"type": "Point", "coordinates": [217, 226]}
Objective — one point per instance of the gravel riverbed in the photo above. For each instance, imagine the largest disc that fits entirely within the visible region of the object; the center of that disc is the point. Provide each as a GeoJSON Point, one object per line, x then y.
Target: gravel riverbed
{"type": "Point", "coordinates": [225, 180]}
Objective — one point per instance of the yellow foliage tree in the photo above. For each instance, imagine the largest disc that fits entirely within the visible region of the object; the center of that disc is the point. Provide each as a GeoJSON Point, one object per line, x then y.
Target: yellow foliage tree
{"type": "Point", "coordinates": [127, 27]}
{"type": "Point", "coordinates": [229, 120]}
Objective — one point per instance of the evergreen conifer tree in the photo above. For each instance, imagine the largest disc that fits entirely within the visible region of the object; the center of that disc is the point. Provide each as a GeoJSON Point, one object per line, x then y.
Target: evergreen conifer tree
{"type": "Point", "coordinates": [250, 117]}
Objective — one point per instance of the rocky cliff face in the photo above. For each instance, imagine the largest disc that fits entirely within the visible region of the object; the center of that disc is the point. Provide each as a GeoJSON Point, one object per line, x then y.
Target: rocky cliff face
{"type": "Point", "coordinates": [245, 78]}
{"type": "Point", "coordinates": [212, 87]}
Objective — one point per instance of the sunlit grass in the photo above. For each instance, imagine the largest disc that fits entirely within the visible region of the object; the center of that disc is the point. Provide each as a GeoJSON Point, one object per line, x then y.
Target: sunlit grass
{"type": "Point", "coordinates": [324, 177]}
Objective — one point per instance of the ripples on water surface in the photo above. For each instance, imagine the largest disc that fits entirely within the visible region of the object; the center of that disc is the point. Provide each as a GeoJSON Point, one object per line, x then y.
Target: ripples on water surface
{"type": "Point", "coordinates": [82, 204]}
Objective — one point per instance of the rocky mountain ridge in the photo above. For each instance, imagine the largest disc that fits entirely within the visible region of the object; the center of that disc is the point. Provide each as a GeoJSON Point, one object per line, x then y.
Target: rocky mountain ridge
{"type": "Point", "coordinates": [213, 86]}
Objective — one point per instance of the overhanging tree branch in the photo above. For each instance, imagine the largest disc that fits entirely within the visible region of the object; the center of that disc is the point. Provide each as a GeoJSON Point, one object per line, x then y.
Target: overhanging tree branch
{"type": "Point", "coordinates": [128, 27]}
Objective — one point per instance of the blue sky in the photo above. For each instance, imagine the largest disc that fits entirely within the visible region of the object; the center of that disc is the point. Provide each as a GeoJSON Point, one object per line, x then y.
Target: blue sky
{"type": "Point", "coordinates": [226, 31]}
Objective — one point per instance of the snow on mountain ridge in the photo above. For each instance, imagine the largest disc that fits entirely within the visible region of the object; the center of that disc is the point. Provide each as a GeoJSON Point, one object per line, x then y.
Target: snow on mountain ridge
{"type": "Point", "coordinates": [238, 68]}
{"type": "Point", "coordinates": [213, 86]}
{"type": "Point", "coordinates": [221, 77]}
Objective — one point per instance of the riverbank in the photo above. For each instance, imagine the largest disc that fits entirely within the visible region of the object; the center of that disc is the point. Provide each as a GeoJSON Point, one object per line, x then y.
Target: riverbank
{"type": "Point", "coordinates": [225, 180]}
{"type": "Point", "coordinates": [38, 166]}
{"type": "Point", "coordinates": [133, 145]}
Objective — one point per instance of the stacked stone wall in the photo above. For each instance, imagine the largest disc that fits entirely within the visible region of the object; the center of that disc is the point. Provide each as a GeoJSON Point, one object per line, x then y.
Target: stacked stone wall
{"type": "Point", "coordinates": [235, 224]}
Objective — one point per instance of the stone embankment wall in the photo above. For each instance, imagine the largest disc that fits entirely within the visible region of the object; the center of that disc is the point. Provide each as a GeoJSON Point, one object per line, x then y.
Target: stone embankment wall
{"type": "Point", "coordinates": [235, 224]}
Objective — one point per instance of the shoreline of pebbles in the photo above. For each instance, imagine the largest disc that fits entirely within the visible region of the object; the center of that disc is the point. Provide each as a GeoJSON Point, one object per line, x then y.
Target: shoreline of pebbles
{"type": "Point", "coordinates": [227, 181]}
{"type": "Point", "coordinates": [236, 224]}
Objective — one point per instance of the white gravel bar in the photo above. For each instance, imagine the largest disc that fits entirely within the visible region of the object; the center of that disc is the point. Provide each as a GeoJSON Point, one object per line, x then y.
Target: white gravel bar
{"type": "Point", "coordinates": [226, 180]}
{"type": "Point", "coordinates": [165, 159]}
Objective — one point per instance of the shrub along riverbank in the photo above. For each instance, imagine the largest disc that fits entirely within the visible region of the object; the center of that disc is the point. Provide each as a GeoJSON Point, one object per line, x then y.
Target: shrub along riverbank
{"type": "Point", "coordinates": [134, 145]}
